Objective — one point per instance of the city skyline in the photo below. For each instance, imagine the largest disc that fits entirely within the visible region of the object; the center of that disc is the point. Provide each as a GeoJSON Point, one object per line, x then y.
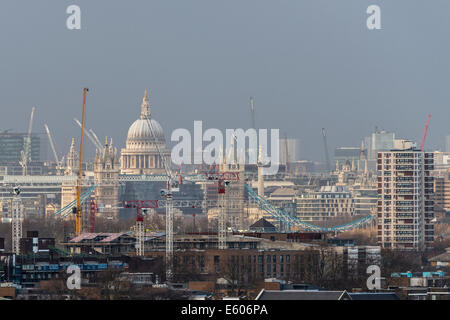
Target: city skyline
{"type": "Point", "coordinates": [347, 82]}
{"type": "Point", "coordinates": [248, 150]}
{"type": "Point", "coordinates": [90, 148]}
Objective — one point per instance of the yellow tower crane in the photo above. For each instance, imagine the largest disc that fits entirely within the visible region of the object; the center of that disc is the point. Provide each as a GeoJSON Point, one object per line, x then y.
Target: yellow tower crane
{"type": "Point", "coordinates": [79, 221]}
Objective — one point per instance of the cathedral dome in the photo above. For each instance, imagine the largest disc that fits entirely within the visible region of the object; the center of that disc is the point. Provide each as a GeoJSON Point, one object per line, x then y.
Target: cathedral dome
{"type": "Point", "coordinates": [140, 130]}
{"type": "Point", "coordinates": [145, 151]}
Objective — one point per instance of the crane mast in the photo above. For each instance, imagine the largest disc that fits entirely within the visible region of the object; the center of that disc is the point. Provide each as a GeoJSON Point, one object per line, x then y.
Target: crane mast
{"type": "Point", "coordinates": [139, 228]}
{"type": "Point", "coordinates": [222, 231]}
{"type": "Point", "coordinates": [252, 112]}
{"type": "Point", "coordinates": [140, 249]}
{"type": "Point", "coordinates": [422, 145]}
{"type": "Point", "coordinates": [16, 221]}
{"type": "Point", "coordinates": [223, 181]}
{"type": "Point", "coordinates": [169, 235]}
{"type": "Point", "coordinates": [52, 145]}
{"type": "Point", "coordinates": [26, 152]}
{"type": "Point", "coordinates": [171, 182]}
{"type": "Point", "coordinates": [79, 220]}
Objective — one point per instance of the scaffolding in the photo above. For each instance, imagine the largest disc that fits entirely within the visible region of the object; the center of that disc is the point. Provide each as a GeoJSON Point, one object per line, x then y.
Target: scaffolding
{"type": "Point", "coordinates": [140, 238]}
{"type": "Point", "coordinates": [169, 236]}
{"type": "Point", "coordinates": [16, 223]}
{"type": "Point", "coordinates": [222, 225]}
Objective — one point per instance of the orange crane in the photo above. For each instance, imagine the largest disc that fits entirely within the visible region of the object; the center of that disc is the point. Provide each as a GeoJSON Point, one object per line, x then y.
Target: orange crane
{"type": "Point", "coordinates": [79, 219]}
{"type": "Point", "coordinates": [425, 133]}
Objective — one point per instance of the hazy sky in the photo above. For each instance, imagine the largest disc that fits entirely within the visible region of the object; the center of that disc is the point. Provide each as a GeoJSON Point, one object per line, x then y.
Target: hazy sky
{"type": "Point", "coordinates": [308, 63]}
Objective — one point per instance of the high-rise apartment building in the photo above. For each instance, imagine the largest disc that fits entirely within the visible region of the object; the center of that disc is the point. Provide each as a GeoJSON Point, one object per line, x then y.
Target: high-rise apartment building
{"type": "Point", "coordinates": [446, 197]}
{"type": "Point", "coordinates": [442, 195]}
{"type": "Point", "coordinates": [405, 204]}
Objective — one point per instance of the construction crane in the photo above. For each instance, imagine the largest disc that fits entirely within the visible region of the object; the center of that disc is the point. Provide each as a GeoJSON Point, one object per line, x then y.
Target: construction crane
{"type": "Point", "coordinates": [425, 132]}
{"type": "Point", "coordinates": [250, 151]}
{"type": "Point", "coordinates": [95, 137]}
{"type": "Point", "coordinates": [97, 145]}
{"type": "Point", "coordinates": [52, 145]}
{"type": "Point", "coordinates": [16, 221]}
{"type": "Point", "coordinates": [140, 206]}
{"type": "Point", "coordinates": [78, 212]}
{"type": "Point", "coordinates": [327, 157]}
{"type": "Point", "coordinates": [252, 112]}
{"type": "Point", "coordinates": [26, 152]}
{"type": "Point", "coordinates": [222, 222]}
{"type": "Point", "coordinates": [223, 181]}
{"type": "Point", "coordinates": [172, 186]}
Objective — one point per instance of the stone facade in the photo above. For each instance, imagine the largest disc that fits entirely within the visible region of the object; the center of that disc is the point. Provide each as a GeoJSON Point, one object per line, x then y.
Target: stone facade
{"type": "Point", "coordinates": [106, 177]}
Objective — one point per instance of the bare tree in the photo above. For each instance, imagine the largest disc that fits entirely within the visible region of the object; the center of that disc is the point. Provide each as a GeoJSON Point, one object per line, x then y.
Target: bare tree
{"type": "Point", "coordinates": [109, 286]}
{"type": "Point", "coordinates": [323, 267]}
{"type": "Point", "coordinates": [237, 270]}
{"type": "Point", "coordinates": [400, 261]}
{"type": "Point", "coordinates": [186, 267]}
{"type": "Point", "coordinates": [367, 236]}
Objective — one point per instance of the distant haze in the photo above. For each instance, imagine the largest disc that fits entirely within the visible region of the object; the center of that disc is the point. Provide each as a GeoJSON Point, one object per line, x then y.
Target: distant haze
{"type": "Point", "coordinates": [309, 64]}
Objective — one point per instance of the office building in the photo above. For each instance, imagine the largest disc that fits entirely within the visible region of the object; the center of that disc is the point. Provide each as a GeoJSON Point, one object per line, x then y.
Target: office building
{"type": "Point", "coordinates": [382, 141]}
{"type": "Point", "coordinates": [12, 144]}
{"type": "Point", "coordinates": [441, 195]}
